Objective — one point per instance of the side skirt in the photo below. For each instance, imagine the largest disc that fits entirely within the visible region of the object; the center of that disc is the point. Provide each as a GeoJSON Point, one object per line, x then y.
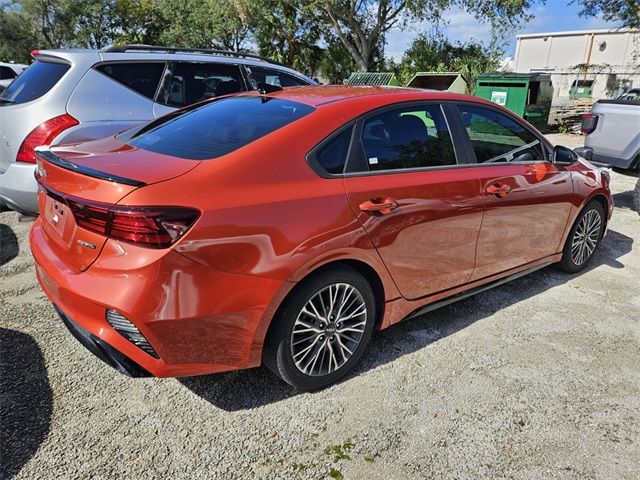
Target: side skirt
{"type": "Point", "coordinates": [474, 291]}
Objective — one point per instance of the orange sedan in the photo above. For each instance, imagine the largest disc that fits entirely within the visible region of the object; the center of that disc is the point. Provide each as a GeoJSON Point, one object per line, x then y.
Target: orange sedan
{"type": "Point", "coordinates": [283, 226]}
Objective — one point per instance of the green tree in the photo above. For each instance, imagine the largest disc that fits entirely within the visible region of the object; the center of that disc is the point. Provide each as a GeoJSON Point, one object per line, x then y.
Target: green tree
{"type": "Point", "coordinates": [337, 64]}
{"type": "Point", "coordinates": [286, 31]}
{"type": "Point", "coordinates": [18, 36]}
{"type": "Point", "coordinates": [626, 12]}
{"type": "Point", "coordinates": [203, 24]}
{"type": "Point", "coordinates": [361, 25]}
{"type": "Point", "coordinates": [136, 21]}
{"type": "Point", "coordinates": [436, 53]}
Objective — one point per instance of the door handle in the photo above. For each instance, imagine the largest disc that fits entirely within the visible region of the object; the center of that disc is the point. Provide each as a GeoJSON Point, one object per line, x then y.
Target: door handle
{"type": "Point", "coordinates": [383, 206]}
{"type": "Point", "coordinates": [500, 190]}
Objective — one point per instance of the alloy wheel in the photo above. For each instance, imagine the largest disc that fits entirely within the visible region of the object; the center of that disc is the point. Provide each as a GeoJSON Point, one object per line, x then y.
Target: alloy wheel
{"type": "Point", "coordinates": [328, 329]}
{"type": "Point", "coordinates": [585, 237]}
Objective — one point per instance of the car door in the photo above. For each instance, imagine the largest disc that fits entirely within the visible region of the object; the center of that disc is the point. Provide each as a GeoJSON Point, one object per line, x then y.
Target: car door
{"type": "Point", "coordinates": [185, 83]}
{"type": "Point", "coordinates": [527, 198]}
{"type": "Point", "coordinates": [421, 208]}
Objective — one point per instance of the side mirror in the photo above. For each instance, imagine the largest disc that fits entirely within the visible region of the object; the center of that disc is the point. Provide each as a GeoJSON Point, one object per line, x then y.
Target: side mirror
{"type": "Point", "coordinates": [563, 156]}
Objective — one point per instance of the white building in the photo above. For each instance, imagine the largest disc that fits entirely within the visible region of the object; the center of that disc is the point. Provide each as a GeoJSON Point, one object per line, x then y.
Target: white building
{"type": "Point", "coordinates": [587, 63]}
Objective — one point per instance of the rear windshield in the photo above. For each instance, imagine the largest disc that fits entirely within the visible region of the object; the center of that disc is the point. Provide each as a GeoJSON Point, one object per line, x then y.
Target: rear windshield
{"type": "Point", "coordinates": [217, 128]}
{"type": "Point", "coordinates": [34, 82]}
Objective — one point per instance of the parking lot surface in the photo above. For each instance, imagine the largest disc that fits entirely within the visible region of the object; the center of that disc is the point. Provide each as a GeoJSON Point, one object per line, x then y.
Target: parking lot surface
{"type": "Point", "coordinates": [539, 378]}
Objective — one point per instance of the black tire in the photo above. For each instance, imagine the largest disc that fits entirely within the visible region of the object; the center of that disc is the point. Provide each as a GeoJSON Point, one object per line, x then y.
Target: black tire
{"type": "Point", "coordinates": [278, 353]}
{"type": "Point", "coordinates": [636, 197]}
{"type": "Point", "coordinates": [572, 261]}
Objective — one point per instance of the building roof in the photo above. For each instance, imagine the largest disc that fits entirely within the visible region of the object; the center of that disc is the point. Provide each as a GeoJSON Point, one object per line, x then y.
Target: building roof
{"type": "Point", "coordinates": [569, 33]}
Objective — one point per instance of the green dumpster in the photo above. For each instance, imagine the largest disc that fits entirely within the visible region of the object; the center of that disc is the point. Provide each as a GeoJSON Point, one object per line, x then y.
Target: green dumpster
{"type": "Point", "coordinates": [443, 81]}
{"type": "Point", "coordinates": [528, 95]}
{"type": "Point", "coordinates": [371, 78]}
{"type": "Point", "coordinates": [581, 89]}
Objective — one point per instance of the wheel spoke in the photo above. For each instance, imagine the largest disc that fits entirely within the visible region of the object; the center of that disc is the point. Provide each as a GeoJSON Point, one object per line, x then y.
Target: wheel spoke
{"type": "Point", "coordinates": [362, 309]}
{"type": "Point", "coordinates": [316, 314]}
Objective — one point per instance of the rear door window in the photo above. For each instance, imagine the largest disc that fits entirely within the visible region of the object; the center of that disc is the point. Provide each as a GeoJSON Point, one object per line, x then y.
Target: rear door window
{"type": "Point", "coordinates": [191, 82]}
{"type": "Point", "coordinates": [217, 128]}
{"type": "Point", "coordinates": [272, 76]}
{"type": "Point", "coordinates": [35, 81]}
{"type": "Point", "coordinates": [407, 137]}
{"type": "Point", "coordinates": [139, 77]}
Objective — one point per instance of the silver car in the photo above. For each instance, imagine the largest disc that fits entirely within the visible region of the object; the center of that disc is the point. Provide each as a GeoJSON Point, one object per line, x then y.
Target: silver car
{"type": "Point", "coordinates": [69, 96]}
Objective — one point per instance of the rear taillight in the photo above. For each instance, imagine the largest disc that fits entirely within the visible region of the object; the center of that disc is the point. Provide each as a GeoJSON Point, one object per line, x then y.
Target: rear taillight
{"type": "Point", "coordinates": [589, 123]}
{"type": "Point", "coordinates": [154, 227]}
{"type": "Point", "coordinates": [44, 134]}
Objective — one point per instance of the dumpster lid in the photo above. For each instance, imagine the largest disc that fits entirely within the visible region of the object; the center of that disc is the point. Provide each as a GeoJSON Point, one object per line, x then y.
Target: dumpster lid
{"type": "Point", "coordinates": [371, 78]}
{"type": "Point", "coordinates": [435, 80]}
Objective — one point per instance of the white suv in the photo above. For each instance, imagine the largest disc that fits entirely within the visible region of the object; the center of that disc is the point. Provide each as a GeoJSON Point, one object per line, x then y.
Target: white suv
{"type": "Point", "coordinates": [69, 96]}
{"type": "Point", "coordinates": [8, 72]}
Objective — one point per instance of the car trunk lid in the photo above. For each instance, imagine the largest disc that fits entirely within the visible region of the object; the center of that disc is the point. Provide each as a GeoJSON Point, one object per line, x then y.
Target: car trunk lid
{"type": "Point", "coordinates": [80, 184]}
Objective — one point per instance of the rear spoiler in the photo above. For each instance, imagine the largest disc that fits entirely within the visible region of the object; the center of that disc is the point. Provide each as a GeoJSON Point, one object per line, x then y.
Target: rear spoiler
{"type": "Point", "coordinates": [45, 154]}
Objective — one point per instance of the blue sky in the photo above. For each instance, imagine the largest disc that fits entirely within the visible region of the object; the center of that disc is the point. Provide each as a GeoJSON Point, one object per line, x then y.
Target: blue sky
{"type": "Point", "coordinates": [554, 15]}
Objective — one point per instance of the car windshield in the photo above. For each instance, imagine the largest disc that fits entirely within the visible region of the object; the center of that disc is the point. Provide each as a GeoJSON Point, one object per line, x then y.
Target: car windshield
{"type": "Point", "coordinates": [217, 128]}
{"type": "Point", "coordinates": [34, 82]}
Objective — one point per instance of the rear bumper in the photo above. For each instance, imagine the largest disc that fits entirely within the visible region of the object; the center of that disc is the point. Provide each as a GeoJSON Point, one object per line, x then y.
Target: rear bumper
{"type": "Point", "coordinates": [102, 349]}
{"type": "Point", "coordinates": [198, 320]}
{"type": "Point", "coordinates": [608, 161]}
{"type": "Point", "coordinates": [18, 188]}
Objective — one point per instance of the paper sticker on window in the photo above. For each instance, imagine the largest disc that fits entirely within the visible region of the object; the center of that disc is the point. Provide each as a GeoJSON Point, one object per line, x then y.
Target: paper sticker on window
{"type": "Point", "coordinates": [499, 97]}
{"type": "Point", "coordinates": [373, 160]}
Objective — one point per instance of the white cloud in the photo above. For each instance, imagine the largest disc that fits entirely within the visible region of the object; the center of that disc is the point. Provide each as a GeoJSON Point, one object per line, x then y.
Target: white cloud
{"type": "Point", "coordinates": [460, 26]}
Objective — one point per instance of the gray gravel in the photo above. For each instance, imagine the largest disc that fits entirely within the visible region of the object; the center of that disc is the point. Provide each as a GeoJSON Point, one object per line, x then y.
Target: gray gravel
{"type": "Point", "coordinates": [539, 378]}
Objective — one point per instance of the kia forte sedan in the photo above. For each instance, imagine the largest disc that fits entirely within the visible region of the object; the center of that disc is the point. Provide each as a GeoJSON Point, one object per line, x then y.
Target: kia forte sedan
{"type": "Point", "coordinates": [282, 228]}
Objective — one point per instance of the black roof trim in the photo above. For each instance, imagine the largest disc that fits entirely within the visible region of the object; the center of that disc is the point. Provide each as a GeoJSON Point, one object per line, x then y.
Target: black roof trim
{"type": "Point", "coordinates": [207, 51]}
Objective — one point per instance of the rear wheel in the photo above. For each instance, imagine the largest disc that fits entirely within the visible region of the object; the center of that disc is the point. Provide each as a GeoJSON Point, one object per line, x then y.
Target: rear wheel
{"type": "Point", "coordinates": [583, 238]}
{"type": "Point", "coordinates": [636, 196]}
{"type": "Point", "coordinates": [322, 329]}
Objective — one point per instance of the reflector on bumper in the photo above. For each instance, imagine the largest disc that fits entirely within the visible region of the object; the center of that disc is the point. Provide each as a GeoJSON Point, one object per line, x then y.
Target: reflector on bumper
{"type": "Point", "coordinates": [128, 330]}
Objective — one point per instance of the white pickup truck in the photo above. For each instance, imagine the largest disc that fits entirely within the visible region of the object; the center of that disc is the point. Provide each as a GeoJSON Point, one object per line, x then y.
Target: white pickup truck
{"type": "Point", "coordinates": [612, 139]}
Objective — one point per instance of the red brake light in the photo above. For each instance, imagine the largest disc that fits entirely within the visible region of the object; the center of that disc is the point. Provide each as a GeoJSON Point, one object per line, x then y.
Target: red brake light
{"type": "Point", "coordinates": [589, 123]}
{"type": "Point", "coordinates": [155, 227]}
{"type": "Point", "coordinates": [35, 53]}
{"type": "Point", "coordinates": [44, 134]}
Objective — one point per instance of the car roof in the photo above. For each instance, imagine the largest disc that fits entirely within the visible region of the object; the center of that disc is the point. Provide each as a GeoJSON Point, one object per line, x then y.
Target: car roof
{"type": "Point", "coordinates": [324, 94]}
{"type": "Point", "coordinates": [88, 57]}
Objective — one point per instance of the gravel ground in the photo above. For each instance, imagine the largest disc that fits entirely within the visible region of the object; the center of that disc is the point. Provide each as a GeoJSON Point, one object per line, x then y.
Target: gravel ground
{"type": "Point", "coordinates": [539, 378]}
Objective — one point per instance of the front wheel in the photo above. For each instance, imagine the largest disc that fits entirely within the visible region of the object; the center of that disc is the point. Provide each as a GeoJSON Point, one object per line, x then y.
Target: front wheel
{"type": "Point", "coordinates": [636, 197]}
{"type": "Point", "coordinates": [583, 238]}
{"type": "Point", "coordinates": [322, 329]}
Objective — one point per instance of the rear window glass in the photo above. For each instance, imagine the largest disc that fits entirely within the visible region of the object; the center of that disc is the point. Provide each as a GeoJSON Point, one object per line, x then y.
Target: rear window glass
{"type": "Point", "coordinates": [140, 77]}
{"type": "Point", "coordinates": [271, 76]}
{"type": "Point", "coordinates": [217, 128]}
{"type": "Point", "coordinates": [35, 81]}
